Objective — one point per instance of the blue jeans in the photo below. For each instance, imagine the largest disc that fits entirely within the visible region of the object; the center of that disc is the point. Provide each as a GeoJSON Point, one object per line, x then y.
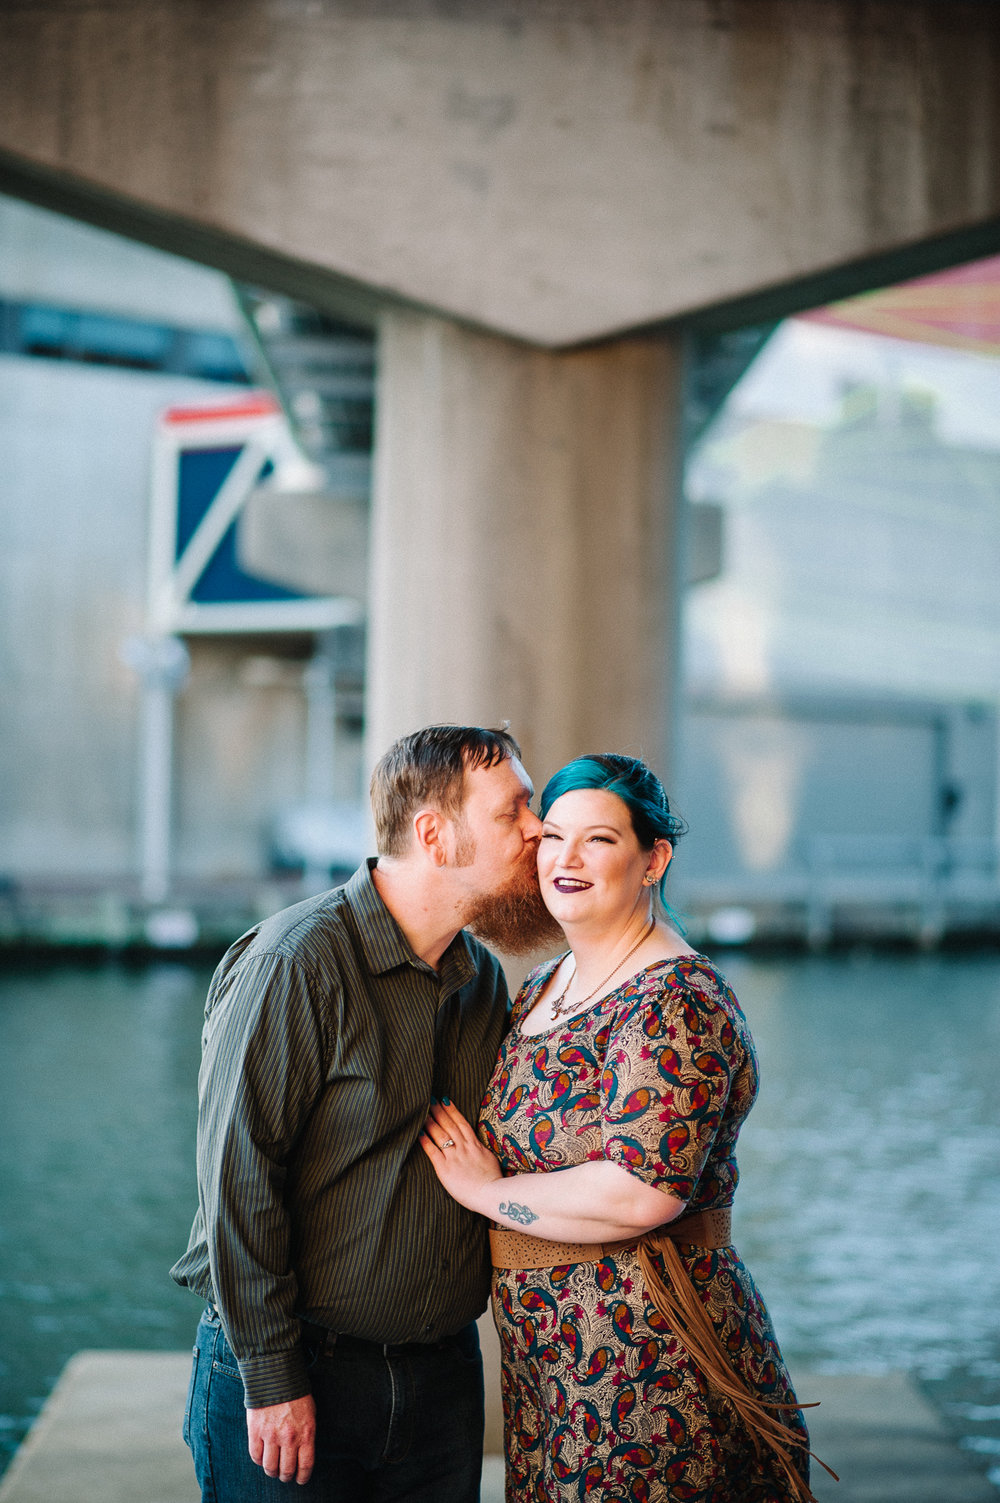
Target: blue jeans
{"type": "Point", "coordinates": [393, 1423]}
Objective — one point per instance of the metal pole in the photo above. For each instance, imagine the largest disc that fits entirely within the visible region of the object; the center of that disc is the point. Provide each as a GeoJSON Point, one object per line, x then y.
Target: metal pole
{"type": "Point", "coordinates": [162, 664]}
{"type": "Point", "coordinates": [320, 684]}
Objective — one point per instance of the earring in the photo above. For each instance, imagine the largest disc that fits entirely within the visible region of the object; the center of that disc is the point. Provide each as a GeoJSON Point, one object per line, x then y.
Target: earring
{"type": "Point", "coordinates": [649, 880]}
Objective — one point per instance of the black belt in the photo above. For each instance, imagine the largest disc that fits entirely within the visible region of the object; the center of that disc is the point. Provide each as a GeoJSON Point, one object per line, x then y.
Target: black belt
{"type": "Point", "coordinates": [323, 1340]}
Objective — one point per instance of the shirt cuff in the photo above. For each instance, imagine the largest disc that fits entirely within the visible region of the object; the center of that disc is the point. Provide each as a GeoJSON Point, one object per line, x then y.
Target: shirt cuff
{"type": "Point", "coordinates": [274, 1378]}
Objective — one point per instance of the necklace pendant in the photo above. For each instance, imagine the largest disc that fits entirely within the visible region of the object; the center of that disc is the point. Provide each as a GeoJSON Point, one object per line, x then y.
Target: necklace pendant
{"type": "Point", "coordinates": [560, 1008]}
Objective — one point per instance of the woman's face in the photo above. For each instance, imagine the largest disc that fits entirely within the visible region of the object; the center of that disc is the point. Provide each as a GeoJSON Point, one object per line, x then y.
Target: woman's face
{"type": "Point", "coordinates": [590, 863]}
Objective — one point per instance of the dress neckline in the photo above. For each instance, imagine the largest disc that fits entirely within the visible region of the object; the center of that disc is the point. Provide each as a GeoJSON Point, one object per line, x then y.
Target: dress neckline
{"type": "Point", "coordinates": [668, 960]}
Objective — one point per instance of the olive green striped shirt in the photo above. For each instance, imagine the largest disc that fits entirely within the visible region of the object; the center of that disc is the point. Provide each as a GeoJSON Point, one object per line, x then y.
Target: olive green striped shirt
{"type": "Point", "coordinates": [325, 1039]}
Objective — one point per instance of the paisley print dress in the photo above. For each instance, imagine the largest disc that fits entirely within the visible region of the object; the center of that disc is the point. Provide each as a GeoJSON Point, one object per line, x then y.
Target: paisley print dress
{"type": "Point", "coordinates": [601, 1402]}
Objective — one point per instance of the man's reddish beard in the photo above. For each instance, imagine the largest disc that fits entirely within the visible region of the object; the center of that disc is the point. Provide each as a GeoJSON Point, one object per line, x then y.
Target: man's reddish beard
{"type": "Point", "coordinates": [514, 919]}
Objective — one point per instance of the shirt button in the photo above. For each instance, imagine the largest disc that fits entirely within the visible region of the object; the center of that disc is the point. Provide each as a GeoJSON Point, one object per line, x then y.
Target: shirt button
{"type": "Point", "coordinates": [428, 1330]}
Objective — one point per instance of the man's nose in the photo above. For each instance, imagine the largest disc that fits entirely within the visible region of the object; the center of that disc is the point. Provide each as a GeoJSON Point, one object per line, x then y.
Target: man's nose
{"type": "Point", "coordinates": [531, 826]}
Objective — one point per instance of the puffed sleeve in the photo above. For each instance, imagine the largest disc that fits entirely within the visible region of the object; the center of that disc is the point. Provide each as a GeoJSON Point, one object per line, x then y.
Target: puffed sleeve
{"type": "Point", "coordinates": [667, 1073]}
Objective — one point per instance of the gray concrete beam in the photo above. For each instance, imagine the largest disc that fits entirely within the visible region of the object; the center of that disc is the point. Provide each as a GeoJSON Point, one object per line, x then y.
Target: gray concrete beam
{"type": "Point", "coordinates": [555, 171]}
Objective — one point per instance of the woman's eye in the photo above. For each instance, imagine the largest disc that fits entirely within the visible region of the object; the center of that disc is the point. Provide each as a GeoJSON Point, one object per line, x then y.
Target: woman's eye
{"type": "Point", "coordinates": [549, 835]}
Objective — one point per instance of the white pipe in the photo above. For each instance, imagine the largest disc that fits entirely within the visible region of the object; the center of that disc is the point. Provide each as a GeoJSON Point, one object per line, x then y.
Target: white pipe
{"type": "Point", "coordinates": [156, 755]}
{"type": "Point", "coordinates": [162, 664]}
{"type": "Point", "coordinates": [320, 685]}
{"type": "Point", "coordinates": [321, 710]}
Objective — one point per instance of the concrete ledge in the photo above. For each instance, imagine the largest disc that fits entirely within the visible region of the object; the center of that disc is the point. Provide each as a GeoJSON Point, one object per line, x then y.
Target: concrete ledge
{"type": "Point", "coordinates": [111, 1433]}
{"type": "Point", "coordinates": [887, 1443]}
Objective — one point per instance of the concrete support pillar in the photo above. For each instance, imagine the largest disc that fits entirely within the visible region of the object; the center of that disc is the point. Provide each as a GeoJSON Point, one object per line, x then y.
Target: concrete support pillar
{"type": "Point", "coordinates": [524, 541]}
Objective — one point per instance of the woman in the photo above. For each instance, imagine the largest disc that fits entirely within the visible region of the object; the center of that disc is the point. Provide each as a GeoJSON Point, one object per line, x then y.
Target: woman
{"type": "Point", "coordinates": [629, 1068]}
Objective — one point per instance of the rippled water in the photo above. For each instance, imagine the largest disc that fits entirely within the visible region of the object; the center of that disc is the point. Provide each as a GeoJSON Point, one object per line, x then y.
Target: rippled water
{"type": "Point", "coordinates": [869, 1208]}
{"type": "Point", "coordinates": [96, 1169]}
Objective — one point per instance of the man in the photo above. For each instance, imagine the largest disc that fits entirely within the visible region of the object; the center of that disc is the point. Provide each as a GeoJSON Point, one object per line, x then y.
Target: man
{"type": "Point", "coordinates": [339, 1348]}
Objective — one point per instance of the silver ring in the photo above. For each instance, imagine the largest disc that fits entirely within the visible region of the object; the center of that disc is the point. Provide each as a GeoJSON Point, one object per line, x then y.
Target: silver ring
{"type": "Point", "coordinates": [448, 1143]}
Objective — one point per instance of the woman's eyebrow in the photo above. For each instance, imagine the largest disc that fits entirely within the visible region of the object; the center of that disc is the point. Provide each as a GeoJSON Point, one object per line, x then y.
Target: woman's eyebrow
{"type": "Point", "coordinates": [615, 829]}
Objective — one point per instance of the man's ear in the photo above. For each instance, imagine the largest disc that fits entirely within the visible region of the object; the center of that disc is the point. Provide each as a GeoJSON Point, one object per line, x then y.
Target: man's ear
{"type": "Point", "coordinates": [429, 835]}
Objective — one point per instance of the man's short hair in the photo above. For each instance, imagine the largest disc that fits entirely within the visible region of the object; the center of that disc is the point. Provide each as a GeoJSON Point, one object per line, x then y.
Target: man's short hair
{"type": "Point", "coordinates": [427, 768]}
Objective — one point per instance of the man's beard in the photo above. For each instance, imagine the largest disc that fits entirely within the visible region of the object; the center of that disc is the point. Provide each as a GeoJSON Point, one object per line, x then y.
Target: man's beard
{"type": "Point", "coordinates": [514, 919]}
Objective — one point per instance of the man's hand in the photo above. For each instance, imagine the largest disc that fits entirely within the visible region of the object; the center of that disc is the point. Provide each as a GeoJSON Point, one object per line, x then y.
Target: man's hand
{"type": "Point", "coordinates": [282, 1438]}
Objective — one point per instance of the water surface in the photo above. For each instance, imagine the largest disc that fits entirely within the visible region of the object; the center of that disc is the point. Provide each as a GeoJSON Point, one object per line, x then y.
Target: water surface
{"type": "Point", "coordinates": [869, 1206]}
{"type": "Point", "coordinates": [96, 1169]}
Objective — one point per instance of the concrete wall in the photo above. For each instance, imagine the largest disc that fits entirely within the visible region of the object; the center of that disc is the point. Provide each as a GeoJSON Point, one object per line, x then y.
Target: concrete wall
{"type": "Point", "coordinates": [73, 512]}
{"type": "Point", "coordinates": [760, 781]}
{"type": "Point", "coordinates": [556, 170]}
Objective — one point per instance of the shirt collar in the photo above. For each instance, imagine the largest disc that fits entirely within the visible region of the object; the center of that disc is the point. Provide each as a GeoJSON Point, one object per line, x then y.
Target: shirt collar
{"type": "Point", "coordinates": [385, 945]}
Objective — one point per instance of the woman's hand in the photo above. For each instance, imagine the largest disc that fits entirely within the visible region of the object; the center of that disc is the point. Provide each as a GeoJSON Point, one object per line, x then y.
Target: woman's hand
{"type": "Point", "coordinates": [465, 1168]}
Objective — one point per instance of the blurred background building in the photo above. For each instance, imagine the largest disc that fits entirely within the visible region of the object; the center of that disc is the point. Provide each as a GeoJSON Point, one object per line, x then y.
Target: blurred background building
{"type": "Point", "coordinates": [627, 372]}
{"type": "Point", "coordinates": [108, 346]}
{"type": "Point", "coordinates": [842, 665]}
{"type": "Point", "coordinates": [840, 639]}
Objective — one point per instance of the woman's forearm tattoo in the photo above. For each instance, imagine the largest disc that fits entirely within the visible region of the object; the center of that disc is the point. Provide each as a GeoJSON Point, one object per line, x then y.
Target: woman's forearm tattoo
{"type": "Point", "coordinates": [522, 1214]}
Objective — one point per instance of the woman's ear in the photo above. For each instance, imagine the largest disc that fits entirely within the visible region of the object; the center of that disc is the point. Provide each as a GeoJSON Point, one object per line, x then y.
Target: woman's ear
{"type": "Point", "coordinates": [659, 859]}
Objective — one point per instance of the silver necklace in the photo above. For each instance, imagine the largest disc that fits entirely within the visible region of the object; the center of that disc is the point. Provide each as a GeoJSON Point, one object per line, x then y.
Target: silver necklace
{"type": "Point", "coordinates": [561, 1008]}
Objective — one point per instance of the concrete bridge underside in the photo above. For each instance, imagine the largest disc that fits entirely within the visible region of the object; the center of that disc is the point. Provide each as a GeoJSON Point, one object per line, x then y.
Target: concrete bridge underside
{"type": "Point", "coordinates": [529, 199]}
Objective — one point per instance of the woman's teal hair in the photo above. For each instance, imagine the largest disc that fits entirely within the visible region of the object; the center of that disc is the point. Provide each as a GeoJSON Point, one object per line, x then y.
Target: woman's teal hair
{"type": "Point", "coordinates": [640, 791]}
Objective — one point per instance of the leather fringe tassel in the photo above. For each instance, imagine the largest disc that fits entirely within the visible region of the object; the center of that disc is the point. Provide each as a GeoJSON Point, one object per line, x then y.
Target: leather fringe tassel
{"type": "Point", "coordinates": [689, 1320]}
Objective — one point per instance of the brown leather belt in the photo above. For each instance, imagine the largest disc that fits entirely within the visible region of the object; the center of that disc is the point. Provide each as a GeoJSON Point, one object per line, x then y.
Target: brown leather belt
{"type": "Point", "coordinates": [510, 1249]}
